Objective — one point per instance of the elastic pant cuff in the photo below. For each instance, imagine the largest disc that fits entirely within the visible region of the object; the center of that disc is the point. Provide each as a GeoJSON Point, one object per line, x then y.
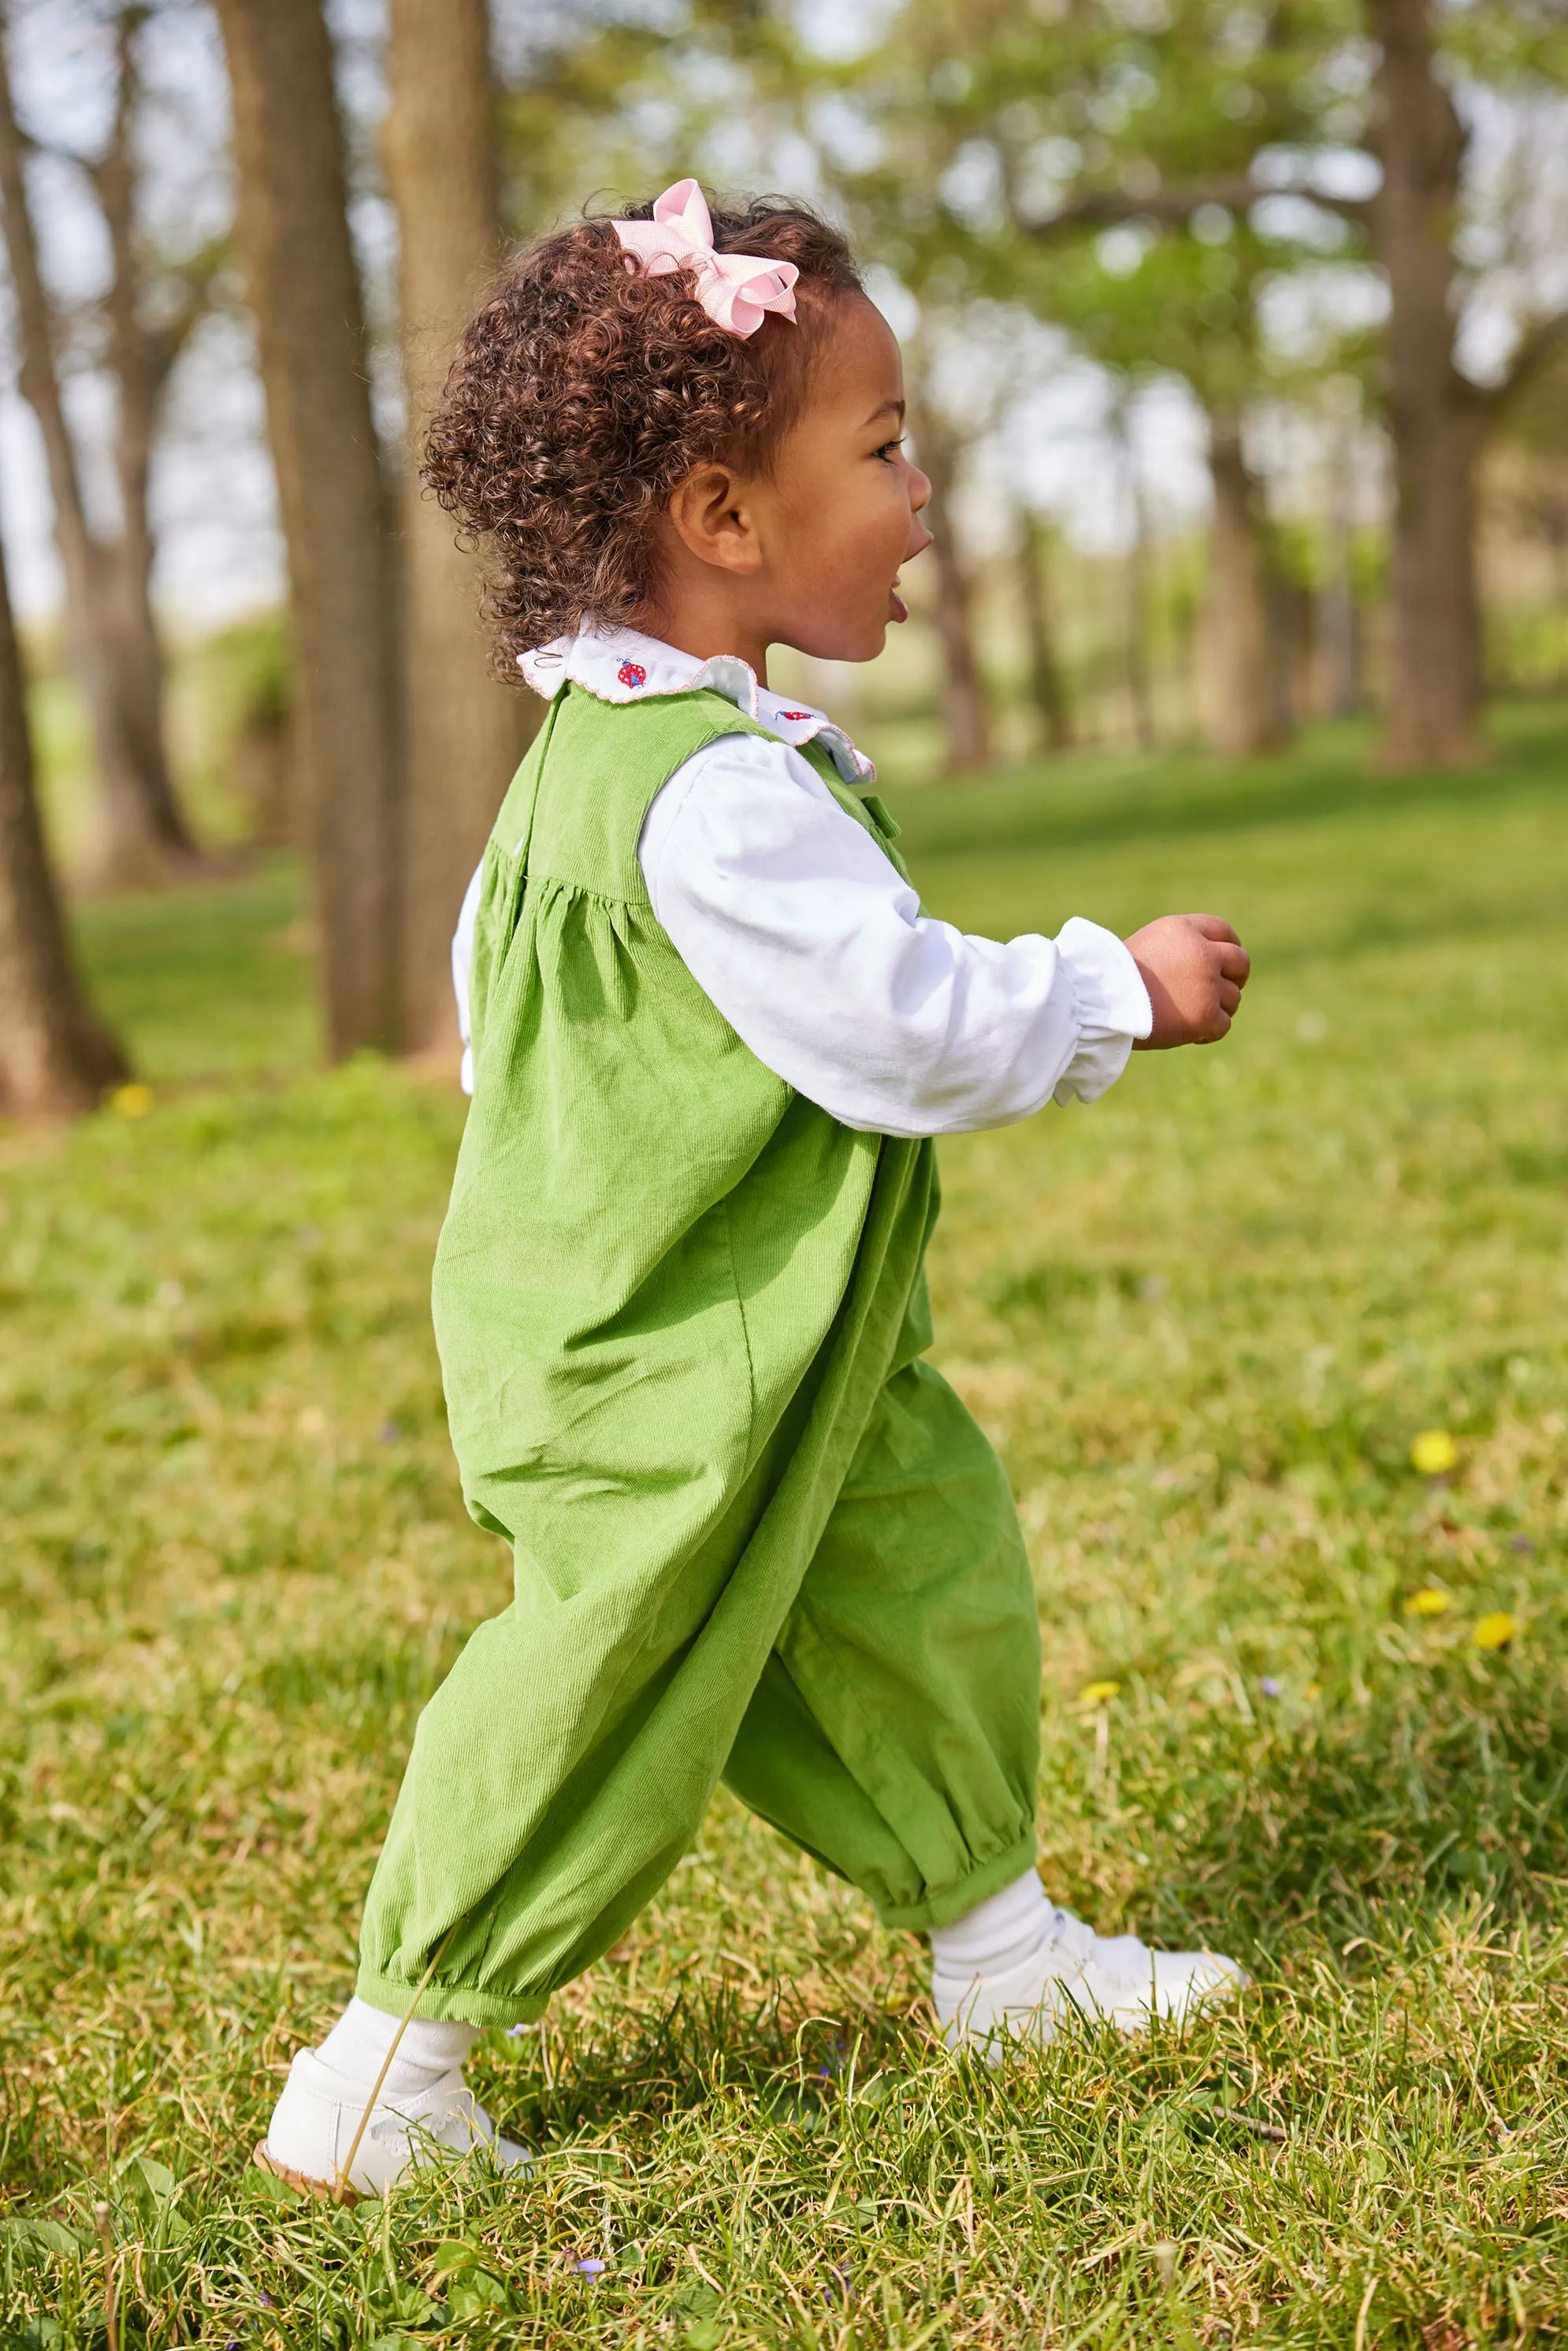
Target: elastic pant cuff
{"type": "Point", "coordinates": [940, 1909]}
{"type": "Point", "coordinates": [450, 2003]}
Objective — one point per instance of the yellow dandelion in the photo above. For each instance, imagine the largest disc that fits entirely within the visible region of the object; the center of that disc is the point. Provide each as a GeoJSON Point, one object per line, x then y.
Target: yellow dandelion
{"type": "Point", "coordinates": [133, 1101]}
{"type": "Point", "coordinates": [1494, 1631]}
{"type": "Point", "coordinates": [1428, 1602]}
{"type": "Point", "coordinates": [1098, 1693]}
{"type": "Point", "coordinates": [1434, 1453]}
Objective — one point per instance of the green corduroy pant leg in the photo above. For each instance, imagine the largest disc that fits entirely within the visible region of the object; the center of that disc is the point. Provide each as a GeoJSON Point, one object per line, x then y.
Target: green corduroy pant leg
{"type": "Point", "coordinates": [895, 1730]}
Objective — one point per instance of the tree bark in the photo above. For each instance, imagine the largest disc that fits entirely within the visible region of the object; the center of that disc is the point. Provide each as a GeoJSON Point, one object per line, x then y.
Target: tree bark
{"type": "Point", "coordinates": [114, 651]}
{"type": "Point", "coordinates": [1247, 710]}
{"type": "Point", "coordinates": [1435, 418]}
{"type": "Point", "coordinates": [142, 356]}
{"type": "Point", "coordinates": [1047, 689]}
{"type": "Point", "coordinates": [56, 1055]}
{"type": "Point", "coordinates": [464, 730]}
{"type": "Point", "coordinates": [305, 293]}
{"type": "Point", "coordinates": [1343, 689]}
{"type": "Point", "coordinates": [969, 744]}
{"type": "Point", "coordinates": [1136, 600]}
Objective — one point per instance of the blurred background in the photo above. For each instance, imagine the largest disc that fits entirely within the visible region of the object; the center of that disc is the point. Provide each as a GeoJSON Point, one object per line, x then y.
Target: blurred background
{"type": "Point", "coordinates": [1237, 344]}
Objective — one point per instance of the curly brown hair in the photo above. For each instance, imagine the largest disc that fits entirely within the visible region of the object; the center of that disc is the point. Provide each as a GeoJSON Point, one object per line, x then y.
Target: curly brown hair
{"type": "Point", "coordinates": [585, 391]}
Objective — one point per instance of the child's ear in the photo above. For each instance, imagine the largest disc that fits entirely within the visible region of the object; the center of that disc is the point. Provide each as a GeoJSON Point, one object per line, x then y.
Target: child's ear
{"type": "Point", "coordinates": [711, 515]}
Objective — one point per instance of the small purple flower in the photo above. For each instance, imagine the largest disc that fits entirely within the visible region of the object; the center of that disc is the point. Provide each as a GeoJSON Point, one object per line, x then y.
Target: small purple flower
{"type": "Point", "coordinates": [1270, 1687]}
{"type": "Point", "coordinates": [516, 2032]}
{"type": "Point", "coordinates": [590, 2269]}
{"type": "Point", "coordinates": [1521, 1543]}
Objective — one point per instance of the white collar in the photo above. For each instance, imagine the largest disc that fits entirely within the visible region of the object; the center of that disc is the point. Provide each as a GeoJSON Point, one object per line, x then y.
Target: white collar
{"type": "Point", "coordinates": [624, 665]}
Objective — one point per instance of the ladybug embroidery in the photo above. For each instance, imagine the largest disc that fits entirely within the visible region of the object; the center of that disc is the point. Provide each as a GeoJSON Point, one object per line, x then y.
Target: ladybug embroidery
{"type": "Point", "coordinates": [631, 673]}
{"type": "Point", "coordinates": [797, 714]}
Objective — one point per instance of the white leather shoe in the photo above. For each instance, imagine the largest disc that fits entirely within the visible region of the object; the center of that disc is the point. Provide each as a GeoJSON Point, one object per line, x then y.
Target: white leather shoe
{"type": "Point", "coordinates": [1115, 1980]}
{"type": "Point", "coordinates": [315, 2121]}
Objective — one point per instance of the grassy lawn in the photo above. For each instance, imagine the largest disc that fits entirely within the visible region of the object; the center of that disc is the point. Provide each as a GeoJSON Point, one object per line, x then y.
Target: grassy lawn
{"type": "Point", "coordinates": [1203, 1321]}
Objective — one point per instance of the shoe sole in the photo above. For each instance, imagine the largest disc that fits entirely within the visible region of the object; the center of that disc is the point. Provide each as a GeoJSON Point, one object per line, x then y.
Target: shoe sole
{"type": "Point", "coordinates": [321, 2192]}
{"type": "Point", "coordinates": [1130, 2022]}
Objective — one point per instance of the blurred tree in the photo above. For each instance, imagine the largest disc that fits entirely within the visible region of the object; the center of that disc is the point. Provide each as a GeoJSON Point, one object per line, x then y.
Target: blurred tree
{"type": "Point", "coordinates": [1248, 699]}
{"type": "Point", "coordinates": [1138, 579]}
{"type": "Point", "coordinates": [1439, 417]}
{"type": "Point", "coordinates": [939, 448]}
{"type": "Point", "coordinates": [56, 1054]}
{"type": "Point", "coordinates": [1187, 306]}
{"type": "Point", "coordinates": [147, 315]}
{"type": "Point", "coordinates": [465, 731]}
{"type": "Point", "coordinates": [1341, 678]}
{"type": "Point", "coordinates": [1047, 689]}
{"type": "Point", "coordinates": [1525, 504]}
{"type": "Point", "coordinates": [1162, 118]}
{"type": "Point", "coordinates": [305, 291]}
{"type": "Point", "coordinates": [978, 127]}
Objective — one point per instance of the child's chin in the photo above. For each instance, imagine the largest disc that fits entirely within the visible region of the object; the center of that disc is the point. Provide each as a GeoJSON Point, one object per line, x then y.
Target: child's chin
{"type": "Point", "coordinates": [858, 645]}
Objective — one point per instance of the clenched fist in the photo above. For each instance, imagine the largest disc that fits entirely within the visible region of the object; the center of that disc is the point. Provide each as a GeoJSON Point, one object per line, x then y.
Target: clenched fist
{"type": "Point", "coordinates": [1195, 968]}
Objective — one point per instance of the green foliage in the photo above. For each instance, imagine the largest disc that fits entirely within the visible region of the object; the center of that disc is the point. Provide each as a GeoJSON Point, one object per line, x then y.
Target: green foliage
{"type": "Point", "coordinates": [1116, 168]}
{"type": "Point", "coordinates": [1095, 165]}
{"type": "Point", "coordinates": [610, 105]}
{"type": "Point", "coordinates": [1205, 1320]}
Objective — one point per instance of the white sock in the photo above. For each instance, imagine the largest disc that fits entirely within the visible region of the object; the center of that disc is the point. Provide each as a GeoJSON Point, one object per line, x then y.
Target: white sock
{"type": "Point", "coordinates": [997, 1933]}
{"type": "Point", "coordinates": [357, 2044]}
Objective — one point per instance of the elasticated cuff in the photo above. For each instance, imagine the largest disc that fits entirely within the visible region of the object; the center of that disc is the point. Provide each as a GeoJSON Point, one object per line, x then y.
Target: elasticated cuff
{"type": "Point", "coordinates": [950, 1902]}
{"type": "Point", "coordinates": [450, 2003]}
{"type": "Point", "coordinates": [1113, 1005]}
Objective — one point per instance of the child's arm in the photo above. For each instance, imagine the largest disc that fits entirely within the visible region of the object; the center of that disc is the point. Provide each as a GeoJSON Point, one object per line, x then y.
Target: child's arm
{"type": "Point", "coordinates": [1195, 968]}
{"type": "Point", "coordinates": [792, 920]}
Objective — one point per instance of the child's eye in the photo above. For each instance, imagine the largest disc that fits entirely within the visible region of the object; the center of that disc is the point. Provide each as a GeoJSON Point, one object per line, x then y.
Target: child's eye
{"type": "Point", "coordinates": [887, 448]}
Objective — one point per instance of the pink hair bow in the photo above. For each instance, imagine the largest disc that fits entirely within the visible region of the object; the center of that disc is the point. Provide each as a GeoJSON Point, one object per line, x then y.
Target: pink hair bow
{"type": "Point", "coordinates": [736, 289]}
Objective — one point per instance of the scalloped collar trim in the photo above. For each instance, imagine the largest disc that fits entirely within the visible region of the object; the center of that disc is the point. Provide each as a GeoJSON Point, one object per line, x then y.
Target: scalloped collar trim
{"type": "Point", "coordinates": [624, 665]}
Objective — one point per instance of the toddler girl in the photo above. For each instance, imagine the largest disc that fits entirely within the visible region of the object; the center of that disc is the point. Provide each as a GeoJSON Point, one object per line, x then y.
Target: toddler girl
{"type": "Point", "coordinates": [679, 1295]}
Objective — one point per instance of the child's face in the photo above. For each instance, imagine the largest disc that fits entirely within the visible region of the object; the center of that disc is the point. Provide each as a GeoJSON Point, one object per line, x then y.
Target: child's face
{"type": "Point", "coordinates": [838, 513]}
{"type": "Point", "coordinates": [808, 554]}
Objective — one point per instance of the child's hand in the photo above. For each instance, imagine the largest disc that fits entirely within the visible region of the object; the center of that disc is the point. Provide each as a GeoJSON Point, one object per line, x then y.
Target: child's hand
{"type": "Point", "coordinates": [1195, 968]}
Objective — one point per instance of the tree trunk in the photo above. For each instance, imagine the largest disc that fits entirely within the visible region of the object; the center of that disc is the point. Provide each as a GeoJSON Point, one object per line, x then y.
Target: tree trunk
{"type": "Point", "coordinates": [1135, 572]}
{"type": "Point", "coordinates": [1433, 715]}
{"type": "Point", "coordinates": [142, 831]}
{"type": "Point", "coordinates": [56, 1055]}
{"type": "Point", "coordinates": [140, 357]}
{"type": "Point", "coordinates": [464, 730]}
{"type": "Point", "coordinates": [1248, 711]}
{"type": "Point", "coordinates": [1343, 689]}
{"type": "Point", "coordinates": [968, 743]}
{"type": "Point", "coordinates": [305, 292]}
{"type": "Point", "coordinates": [1047, 689]}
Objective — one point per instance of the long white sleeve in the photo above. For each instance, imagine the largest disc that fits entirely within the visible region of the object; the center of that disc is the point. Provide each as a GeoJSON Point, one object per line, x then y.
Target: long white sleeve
{"type": "Point", "coordinates": [463, 972]}
{"type": "Point", "coordinates": [793, 921]}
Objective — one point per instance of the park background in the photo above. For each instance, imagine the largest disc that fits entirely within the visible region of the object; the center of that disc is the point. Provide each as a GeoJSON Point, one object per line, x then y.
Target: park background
{"type": "Point", "coordinates": [1237, 343]}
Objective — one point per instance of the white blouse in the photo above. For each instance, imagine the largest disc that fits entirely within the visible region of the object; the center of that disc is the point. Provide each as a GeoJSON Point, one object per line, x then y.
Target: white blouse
{"type": "Point", "coordinates": [791, 920]}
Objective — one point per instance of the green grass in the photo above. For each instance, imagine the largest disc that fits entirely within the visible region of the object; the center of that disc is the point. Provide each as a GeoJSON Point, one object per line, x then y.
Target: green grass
{"type": "Point", "coordinates": [1203, 1321]}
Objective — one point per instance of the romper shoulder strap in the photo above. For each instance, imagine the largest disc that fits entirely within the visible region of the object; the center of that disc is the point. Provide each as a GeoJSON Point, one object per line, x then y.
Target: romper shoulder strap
{"type": "Point", "coordinates": [575, 810]}
{"type": "Point", "coordinates": [598, 773]}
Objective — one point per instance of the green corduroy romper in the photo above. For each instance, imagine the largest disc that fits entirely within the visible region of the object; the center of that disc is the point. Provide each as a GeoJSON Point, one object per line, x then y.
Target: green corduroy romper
{"type": "Point", "coordinates": [681, 1313]}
